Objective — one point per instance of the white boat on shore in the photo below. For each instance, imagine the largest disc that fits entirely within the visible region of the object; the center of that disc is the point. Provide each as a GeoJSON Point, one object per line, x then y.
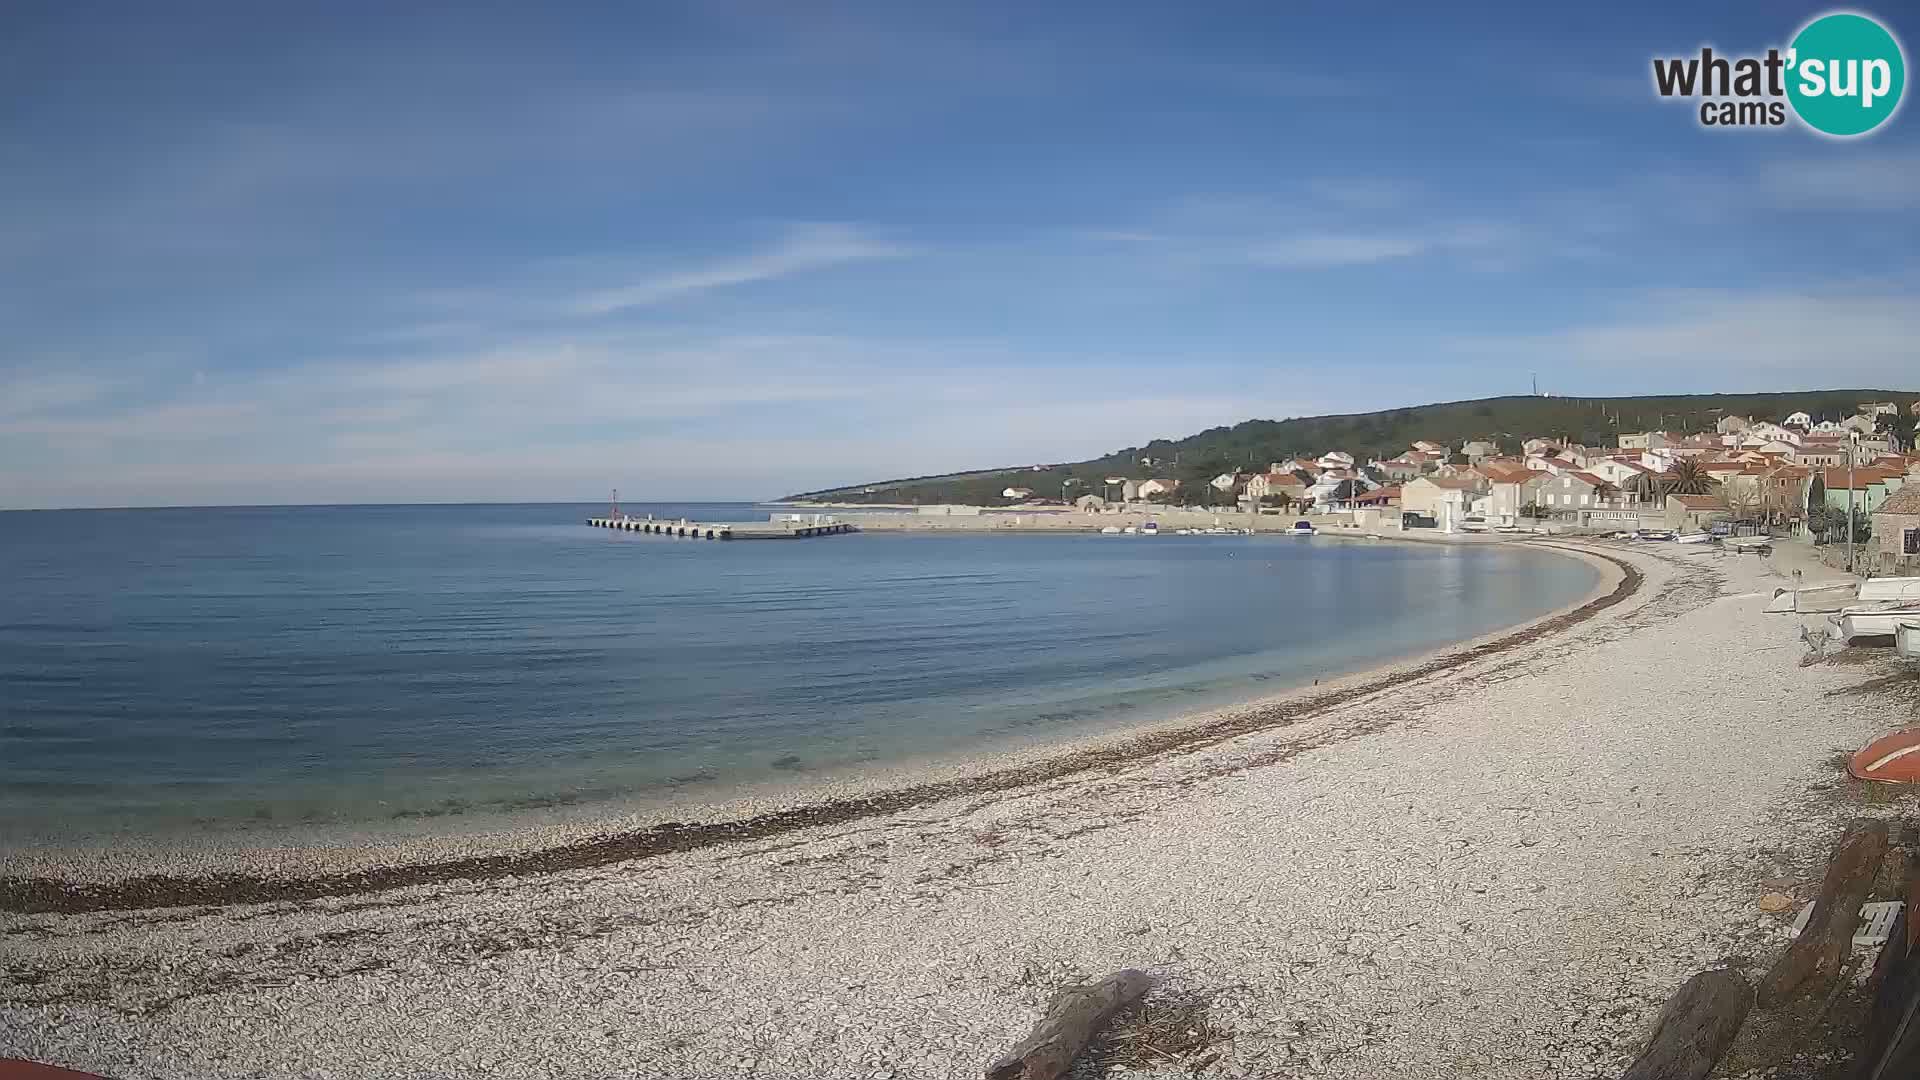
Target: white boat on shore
{"type": "Point", "coordinates": [1693, 538]}
{"type": "Point", "coordinates": [1888, 589]}
{"type": "Point", "coordinates": [1906, 640]}
{"type": "Point", "coordinates": [1873, 620]}
{"type": "Point", "coordinates": [1151, 528]}
{"type": "Point", "coordinates": [1302, 527]}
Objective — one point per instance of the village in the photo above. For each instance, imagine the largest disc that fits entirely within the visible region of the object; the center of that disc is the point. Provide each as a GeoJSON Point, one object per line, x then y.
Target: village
{"type": "Point", "coordinates": [1794, 476]}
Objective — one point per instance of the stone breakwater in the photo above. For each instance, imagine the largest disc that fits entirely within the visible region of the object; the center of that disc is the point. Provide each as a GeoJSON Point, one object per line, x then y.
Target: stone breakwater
{"type": "Point", "coordinates": [1495, 866]}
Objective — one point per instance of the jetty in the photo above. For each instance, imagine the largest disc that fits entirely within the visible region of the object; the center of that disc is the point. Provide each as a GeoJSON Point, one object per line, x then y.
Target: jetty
{"type": "Point", "coordinates": [726, 530]}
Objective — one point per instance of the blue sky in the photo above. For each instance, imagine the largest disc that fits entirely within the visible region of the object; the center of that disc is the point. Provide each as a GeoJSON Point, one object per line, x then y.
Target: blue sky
{"type": "Point", "coordinates": [732, 250]}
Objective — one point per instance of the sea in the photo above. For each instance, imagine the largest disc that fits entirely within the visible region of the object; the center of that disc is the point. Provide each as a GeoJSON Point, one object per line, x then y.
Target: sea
{"type": "Point", "coordinates": [206, 669]}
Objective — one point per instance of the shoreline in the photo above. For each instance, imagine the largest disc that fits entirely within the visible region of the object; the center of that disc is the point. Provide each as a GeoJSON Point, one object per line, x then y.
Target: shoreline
{"type": "Point", "coordinates": [73, 880]}
{"type": "Point", "coordinates": [1501, 869]}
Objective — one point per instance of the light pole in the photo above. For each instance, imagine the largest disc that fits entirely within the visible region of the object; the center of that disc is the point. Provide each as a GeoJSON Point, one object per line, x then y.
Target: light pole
{"type": "Point", "coordinates": [1853, 451]}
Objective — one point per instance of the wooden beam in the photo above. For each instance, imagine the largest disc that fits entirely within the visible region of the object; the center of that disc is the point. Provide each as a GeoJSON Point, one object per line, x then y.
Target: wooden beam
{"type": "Point", "coordinates": [1071, 1019]}
{"type": "Point", "coordinates": [1815, 957]}
{"type": "Point", "coordinates": [1695, 1029]}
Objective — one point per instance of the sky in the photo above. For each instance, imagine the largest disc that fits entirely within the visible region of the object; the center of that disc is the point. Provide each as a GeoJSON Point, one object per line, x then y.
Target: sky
{"type": "Point", "coordinates": [349, 253]}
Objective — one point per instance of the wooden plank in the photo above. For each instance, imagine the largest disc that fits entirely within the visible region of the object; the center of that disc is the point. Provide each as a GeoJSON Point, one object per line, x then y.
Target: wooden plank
{"type": "Point", "coordinates": [1892, 1044]}
{"type": "Point", "coordinates": [1814, 959]}
{"type": "Point", "coordinates": [1695, 1029]}
{"type": "Point", "coordinates": [1073, 1016]}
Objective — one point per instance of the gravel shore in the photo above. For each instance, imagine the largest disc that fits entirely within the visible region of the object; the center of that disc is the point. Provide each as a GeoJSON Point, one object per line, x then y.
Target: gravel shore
{"type": "Point", "coordinates": [1499, 866]}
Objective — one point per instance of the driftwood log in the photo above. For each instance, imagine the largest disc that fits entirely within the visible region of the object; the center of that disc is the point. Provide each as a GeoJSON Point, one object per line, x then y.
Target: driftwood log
{"type": "Point", "coordinates": [1816, 956]}
{"type": "Point", "coordinates": [1695, 1029]}
{"type": "Point", "coordinates": [1073, 1016]}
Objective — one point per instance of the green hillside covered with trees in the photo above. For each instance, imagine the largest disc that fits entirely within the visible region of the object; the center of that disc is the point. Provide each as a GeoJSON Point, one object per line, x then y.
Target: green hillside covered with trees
{"type": "Point", "coordinates": [1251, 445]}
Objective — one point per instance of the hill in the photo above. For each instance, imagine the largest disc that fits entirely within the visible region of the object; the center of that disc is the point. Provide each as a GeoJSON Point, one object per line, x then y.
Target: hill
{"type": "Point", "coordinates": [1253, 444]}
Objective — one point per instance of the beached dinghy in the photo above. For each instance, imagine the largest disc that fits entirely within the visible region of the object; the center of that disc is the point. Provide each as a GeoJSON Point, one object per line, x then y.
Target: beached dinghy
{"type": "Point", "coordinates": [1882, 589]}
{"type": "Point", "coordinates": [1906, 640]}
{"type": "Point", "coordinates": [1825, 597]}
{"type": "Point", "coordinates": [1873, 621]}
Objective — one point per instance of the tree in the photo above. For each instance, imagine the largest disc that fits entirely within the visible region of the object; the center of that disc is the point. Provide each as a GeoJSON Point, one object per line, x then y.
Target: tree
{"type": "Point", "coordinates": [1688, 478]}
{"type": "Point", "coordinates": [1743, 500]}
{"type": "Point", "coordinates": [1533, 510]}
{"type": "Point", "coordinates": [1898, 427]}
{"type": "Point", "coordinates": [1279, 499]}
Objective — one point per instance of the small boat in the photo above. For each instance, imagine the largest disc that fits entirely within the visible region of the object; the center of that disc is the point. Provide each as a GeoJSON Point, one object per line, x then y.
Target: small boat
{"type": "Point", "coordinates": [1151, 528]}
{"type": "Point", "coordinates": [1302, 527]}
{"type": "Point", "coordinates": [1873, 620]}
{"type": "Point", "coordinates": [1130, 530]}
{"type": "Point", "coordinates": [1892, 759]}
{"type": "Point", "coordinates": [1890, 588]}
{"type": "Point", "coordinates": [1111, 530]}
{"type": "Point", "coordinates": [1693, 538]}
{"type": "Point", "coordinates": [1906, 640]}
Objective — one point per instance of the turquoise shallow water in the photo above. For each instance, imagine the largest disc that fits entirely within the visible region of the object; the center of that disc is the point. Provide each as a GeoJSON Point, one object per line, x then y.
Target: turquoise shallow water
{"type": "Point", "coordinates": [201, 668]}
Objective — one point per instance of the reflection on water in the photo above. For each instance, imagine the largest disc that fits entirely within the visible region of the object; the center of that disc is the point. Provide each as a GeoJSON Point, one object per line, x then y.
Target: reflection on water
{"type": "Point", "coordinates": [166, 667]}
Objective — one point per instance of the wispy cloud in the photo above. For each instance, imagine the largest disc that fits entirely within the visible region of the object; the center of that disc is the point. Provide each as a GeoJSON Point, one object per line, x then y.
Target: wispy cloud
{"type": "Point", "coordinates": [1861, 181]}
{"type": "Point", "coordinates": [30, 394]}
{"type": "Point", "coordinates": [803, 248]}
{"type": "Point", "coordinates": [1328, 249]}
{"type": "Point", "coordinates": [1703, 340]}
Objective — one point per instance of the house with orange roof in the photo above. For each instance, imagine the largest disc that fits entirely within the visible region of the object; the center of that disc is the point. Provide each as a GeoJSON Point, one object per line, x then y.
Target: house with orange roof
{"type": "Point", "coordinates": [1693, 513]}
{"type": "Point", "coordinates": [1896, 532]}
{"type": "Point", "coordinates": [1869, 486]}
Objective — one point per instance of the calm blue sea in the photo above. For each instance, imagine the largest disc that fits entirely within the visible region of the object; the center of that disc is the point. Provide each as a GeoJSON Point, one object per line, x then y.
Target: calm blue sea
{"type": "Point", "coordinates": [197, 668]}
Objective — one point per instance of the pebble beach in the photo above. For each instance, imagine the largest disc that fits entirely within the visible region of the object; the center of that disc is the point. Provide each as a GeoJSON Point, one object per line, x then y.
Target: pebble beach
{"type": "Point", "coordinates": [1498, 861]}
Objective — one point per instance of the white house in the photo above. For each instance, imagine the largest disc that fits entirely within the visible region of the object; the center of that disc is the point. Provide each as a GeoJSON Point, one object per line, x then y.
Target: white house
{"type": "Point", "coordinates": [1262, 485]}
{"type": "Point", "coordinates": [1828, 427]}
{"type": "Point", "coordinates": [1430, 447]}
{"type": "Point", "coordinates": [1149, 488]}
{"type": "Point", "coordinates": [1619, 471]}
{"type": "Point", "coordinates": [1573, 491]}
{"type": "Point", "coordinates": [1512, 489]}
{"type": "Point", "coordinates": [1226, 481]}
{"type": "Point", "coordinates": [1017, 493]}
{"type": "Point", "coordinates": [1733, 425]}
{"type": "Point", "coordinates": [1861, 423]}
{"type": "Point", "coordinates": [1799, 419]}
{"type": "Point", "coordinates": [1335, 459]}
{"type": "Point", "coordinates": [1769, 432]}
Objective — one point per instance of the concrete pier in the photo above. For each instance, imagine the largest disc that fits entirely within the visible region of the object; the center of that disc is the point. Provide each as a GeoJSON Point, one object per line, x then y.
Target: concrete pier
{"type": "Point", "coordinates": [725, 530]}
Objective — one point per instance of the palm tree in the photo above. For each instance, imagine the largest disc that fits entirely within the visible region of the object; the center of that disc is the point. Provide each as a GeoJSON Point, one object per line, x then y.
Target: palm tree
{"type": "Point", "coordinates": [1688, 478]}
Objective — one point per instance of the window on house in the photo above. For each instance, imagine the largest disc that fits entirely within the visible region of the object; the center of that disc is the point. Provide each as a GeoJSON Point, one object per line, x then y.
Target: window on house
{"type": "Point", "coordinates": [1910, 543]}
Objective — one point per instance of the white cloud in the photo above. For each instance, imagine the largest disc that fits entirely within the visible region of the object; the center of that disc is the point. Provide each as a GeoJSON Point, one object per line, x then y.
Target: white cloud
{"type": "Point", "coordinates": [803, 248]}
{"type": "Point", "coordinates": [26, 395]}
{"type": "Point", "coordinates": [1698, 341]}
{"type": "Point", "coordinates": [1313, 250]}
{"type": "Point", "coordinates": [1834, 179]}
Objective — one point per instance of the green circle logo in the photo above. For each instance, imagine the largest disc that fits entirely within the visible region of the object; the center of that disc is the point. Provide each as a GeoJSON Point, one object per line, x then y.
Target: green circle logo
{"type": "Point", "coordinates": [1845, 74]}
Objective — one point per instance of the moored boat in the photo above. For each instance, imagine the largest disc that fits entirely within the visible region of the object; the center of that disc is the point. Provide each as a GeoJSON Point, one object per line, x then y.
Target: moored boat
{"type": "Point", "coordinates": [1302, 527]}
